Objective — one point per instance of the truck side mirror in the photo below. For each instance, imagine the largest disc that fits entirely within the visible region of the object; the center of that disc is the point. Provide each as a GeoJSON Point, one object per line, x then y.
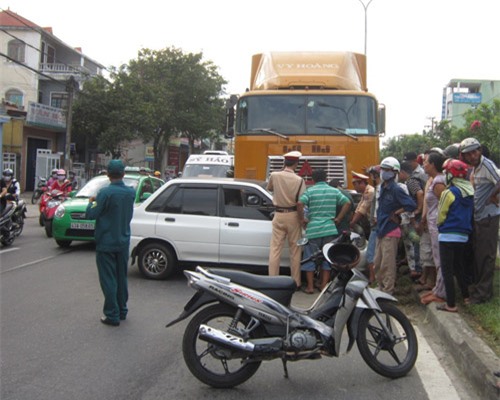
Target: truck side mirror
{"type": "Point", "coordinates": [381, 119]}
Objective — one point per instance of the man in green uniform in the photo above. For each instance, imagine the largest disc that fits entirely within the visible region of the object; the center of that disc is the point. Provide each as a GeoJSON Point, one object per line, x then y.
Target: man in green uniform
{"type": "Point", "coordinates": [112, 209]}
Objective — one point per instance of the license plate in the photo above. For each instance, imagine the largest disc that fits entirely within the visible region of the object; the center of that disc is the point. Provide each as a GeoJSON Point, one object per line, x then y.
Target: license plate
{"type": "Point", "coordinates": [82, 225]}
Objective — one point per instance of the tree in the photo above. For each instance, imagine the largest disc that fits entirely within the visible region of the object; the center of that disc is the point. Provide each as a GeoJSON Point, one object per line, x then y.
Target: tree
{"type": "Point", "coordinates": [156, 96]}
{"type": "Point", "coordinates": [174, 94]}
{"type": "Point", "coordinates": [445, 134]}
{"type": "Point", "coordinates": [100, 117]}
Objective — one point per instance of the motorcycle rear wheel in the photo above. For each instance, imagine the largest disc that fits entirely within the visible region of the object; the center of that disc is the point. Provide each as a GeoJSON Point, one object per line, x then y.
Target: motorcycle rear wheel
{"type": "Point", "coordinates": [389, 357]}
{"type": "Point", "coordinates": [213, 365]}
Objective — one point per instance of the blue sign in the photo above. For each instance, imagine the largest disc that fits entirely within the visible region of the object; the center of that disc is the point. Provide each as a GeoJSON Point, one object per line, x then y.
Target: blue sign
{"type": "Point", "coordinates": [469, 98]}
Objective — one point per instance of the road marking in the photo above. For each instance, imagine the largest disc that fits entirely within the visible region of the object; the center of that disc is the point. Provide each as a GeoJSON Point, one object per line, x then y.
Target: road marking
{"type": "Point", "coordinates": [28, 264]}
{"type": "Point", "coordinates": [9, 249]}
{"type": "Point", "coordinates": [432, 375]}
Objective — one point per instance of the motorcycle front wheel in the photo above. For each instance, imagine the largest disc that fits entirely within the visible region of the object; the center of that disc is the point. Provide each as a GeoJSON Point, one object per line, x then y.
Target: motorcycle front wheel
{"type": "Point", "coordinates": [211, 364]}
{"type": "Point", "coordinates": [36, 195]}
{"type": "Point", "coordinates": [390, 353]}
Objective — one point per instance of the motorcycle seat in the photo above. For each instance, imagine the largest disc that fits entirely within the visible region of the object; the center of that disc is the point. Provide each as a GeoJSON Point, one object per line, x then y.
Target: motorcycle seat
{"type": "Point", "coordinates": [258, 282]}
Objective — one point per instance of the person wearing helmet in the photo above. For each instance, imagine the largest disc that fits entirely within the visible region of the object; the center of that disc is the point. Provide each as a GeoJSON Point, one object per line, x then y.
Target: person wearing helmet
{"type": "Point", "coordinates": [157, 174]}
{"type": "Point", "coordinates": [392, 201]}
{"type": "Point", "coordinates": [53, 177]}
{"type": "Point", "coordinates": [485, 177]}
{"type": "Point", "coordinates": [452, 151]}
{"type": "Point", "coordinates": [9, 187]}
{"type": "Point", "coordinates": [454, 222]}
{"type": "Point", "coordinates": [62, 184]}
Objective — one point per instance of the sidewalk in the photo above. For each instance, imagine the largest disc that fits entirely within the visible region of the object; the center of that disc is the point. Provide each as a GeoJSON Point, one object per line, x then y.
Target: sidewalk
{"type": "Point", "coordinates": [472, 356]}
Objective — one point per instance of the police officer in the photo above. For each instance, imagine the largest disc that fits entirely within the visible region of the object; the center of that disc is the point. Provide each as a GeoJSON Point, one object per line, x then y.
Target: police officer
{"type": "Point", "coordinates": [112, 209]}
{"type": "Point", "coordinates": [287, 188]}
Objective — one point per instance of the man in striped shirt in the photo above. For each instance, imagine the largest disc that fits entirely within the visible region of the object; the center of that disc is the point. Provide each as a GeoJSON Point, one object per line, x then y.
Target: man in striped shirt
{"type": "Point", "coordinates": [321, 222]}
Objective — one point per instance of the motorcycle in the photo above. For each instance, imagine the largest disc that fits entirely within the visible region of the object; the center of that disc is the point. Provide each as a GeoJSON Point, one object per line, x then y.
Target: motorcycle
{"type": "Point", "coordinates": [19, 216]}
{"type": "Point", "coordinates": [7, 233]}
{"type": "Point", "coordinates": [56, 197]}
{"type": "Point", "coordinates": [246, 319]}
{"type": "Point", "coordinates": [41, 188]}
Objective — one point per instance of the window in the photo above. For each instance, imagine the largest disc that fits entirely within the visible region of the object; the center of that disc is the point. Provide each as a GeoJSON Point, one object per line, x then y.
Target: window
{"type": "Point", "coordinates": [59, 100]}
{"type": "Point", "coordinates": [246, 203]}
{"type": "Point", "coordinates": [48, 55]}
{"type": "Point", "coordinates": [16, 50]}
{"type": "Point", "coordinates": [15, 97]}
{"type": "Point", "coordinates": [186, 200]}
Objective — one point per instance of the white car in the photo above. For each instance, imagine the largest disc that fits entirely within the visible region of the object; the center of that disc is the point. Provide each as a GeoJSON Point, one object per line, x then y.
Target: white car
{"type": "Point", "coordinates": [220, 221]}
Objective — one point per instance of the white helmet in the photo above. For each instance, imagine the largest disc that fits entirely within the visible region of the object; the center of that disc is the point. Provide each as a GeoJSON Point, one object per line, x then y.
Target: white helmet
{"type": "Point", "coordinates": [469, 144]}
{"type": "Point", "coordinates": [390, 163]}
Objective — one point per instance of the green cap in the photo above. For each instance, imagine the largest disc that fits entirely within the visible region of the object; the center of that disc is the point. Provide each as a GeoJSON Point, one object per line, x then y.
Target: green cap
{"type": "Point", "coordinates": [116, 166]}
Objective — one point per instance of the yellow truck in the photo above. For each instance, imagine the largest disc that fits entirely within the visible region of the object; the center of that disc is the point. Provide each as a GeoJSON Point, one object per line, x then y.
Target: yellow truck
{"type": "Point", "coordinates": [314, 102]}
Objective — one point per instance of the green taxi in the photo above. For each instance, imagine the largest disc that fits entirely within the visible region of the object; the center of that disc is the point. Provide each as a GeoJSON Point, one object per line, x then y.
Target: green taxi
{"type": "Point", "coordinates": [69, 222]}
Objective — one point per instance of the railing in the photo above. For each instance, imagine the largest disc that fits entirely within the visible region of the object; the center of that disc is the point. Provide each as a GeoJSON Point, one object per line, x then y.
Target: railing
{"type": "Point", "coordinates": [56, 68]}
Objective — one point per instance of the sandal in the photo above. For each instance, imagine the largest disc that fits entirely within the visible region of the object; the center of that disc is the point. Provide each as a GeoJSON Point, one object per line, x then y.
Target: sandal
{"type": "Point", "coordinates": [432, 298]}
{"type": "Point", "coordinates": [307, 291]}
{"type": "Point", "coordinates": [444, 307]}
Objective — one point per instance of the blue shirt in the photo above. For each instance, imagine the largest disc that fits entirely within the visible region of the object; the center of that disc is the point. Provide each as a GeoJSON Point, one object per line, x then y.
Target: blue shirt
{"type": "Point", "coordinates": [391, 198]}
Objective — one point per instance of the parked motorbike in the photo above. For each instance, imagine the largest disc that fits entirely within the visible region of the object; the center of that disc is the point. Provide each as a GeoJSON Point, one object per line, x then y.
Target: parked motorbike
{"type": "Point", "coordinates": [7, 233]}
{"type": "Point", "coordinates": [56, 197]}
{"type": "Point", "coordinates": [41, 188]}
{"type": "Point", "coordinates": [246, 319]}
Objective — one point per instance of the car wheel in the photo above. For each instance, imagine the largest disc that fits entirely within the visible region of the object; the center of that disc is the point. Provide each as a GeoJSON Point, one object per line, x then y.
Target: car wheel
{"type": "Point", "coordinates": [63, 243]}
{"type": "Point", "coordinates": [156, 261]}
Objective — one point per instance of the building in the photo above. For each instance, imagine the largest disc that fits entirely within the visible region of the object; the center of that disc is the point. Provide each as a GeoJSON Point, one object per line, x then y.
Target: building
{"type": "Point", "coordinates": [38, 74]}
{"type": "Point", "coordinates": [461, 95]}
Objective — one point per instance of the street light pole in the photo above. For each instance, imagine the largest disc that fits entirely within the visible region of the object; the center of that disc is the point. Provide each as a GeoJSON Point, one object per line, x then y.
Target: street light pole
{"type": "Point", "coordinates": [365, 6]}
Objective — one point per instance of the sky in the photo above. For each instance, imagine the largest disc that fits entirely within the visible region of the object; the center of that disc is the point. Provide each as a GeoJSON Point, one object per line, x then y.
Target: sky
{"type": "Point", "coordinates": [414, 48]}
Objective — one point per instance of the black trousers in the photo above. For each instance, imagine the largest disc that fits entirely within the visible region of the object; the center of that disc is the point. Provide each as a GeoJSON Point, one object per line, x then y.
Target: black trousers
{"type": "Point", "coordinates": [485, 243]}
{"type": "Point", "coordinates": [452, 256]}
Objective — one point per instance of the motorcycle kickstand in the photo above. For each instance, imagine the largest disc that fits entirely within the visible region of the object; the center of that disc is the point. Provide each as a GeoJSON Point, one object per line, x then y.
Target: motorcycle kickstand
{"type": "Point", "coordinates": [285, 368]}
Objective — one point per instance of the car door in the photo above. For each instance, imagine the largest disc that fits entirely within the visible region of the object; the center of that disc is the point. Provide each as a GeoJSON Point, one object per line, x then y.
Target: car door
{"type": "Point", "coordinates": [246, 226]}
{"type": "Point", "coordinates": [187, 218]}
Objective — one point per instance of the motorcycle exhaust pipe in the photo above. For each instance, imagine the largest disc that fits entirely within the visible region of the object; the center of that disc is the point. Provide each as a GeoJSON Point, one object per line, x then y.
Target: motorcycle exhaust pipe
{"type": "Point", "coordinates": [232, 342]}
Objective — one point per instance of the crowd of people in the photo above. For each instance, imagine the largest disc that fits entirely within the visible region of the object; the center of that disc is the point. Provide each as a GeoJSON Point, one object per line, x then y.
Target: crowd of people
{"type": "Point", "coordinates": [436, 212]}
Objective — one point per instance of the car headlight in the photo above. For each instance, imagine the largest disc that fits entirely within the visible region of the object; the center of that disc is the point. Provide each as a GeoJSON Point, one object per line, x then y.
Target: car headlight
{"type": "Point", "coordinates": [60, 211]}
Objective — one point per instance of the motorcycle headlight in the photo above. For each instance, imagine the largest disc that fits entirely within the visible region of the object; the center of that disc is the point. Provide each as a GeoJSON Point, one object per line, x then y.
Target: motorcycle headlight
{"type": "Point", "coordinates": [60, 211]}
{"type": "Point", "coordinates": [53, 203]}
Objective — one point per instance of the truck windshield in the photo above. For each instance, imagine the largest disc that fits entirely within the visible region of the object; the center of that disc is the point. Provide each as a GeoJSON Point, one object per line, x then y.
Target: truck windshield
{"type": "Point", "coordinates": [307, 114]}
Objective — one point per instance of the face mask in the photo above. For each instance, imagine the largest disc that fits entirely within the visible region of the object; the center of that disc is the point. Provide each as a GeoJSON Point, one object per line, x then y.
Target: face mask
{"type": "Point", "coordinates": [387, 175]}
{"type": "Point", "coordinates": [7, 178]}
{"type": "Point", "coordinates": [61, 177]}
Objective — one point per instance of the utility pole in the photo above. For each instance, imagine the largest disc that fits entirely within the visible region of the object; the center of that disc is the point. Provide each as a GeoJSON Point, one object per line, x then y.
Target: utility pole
{"type": "Point", "coordinates": [71, 87]}
{"type": "Point", "coordinates": [365, 6]}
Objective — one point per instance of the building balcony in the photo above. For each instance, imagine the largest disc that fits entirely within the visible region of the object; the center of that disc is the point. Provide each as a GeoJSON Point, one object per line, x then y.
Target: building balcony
{"type": "Point", "coordinates": [64, 71]}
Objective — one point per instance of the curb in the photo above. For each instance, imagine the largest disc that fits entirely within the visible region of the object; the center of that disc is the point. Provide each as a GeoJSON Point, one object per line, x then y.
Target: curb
{"type": "Point", "coordinates": [473, 357]}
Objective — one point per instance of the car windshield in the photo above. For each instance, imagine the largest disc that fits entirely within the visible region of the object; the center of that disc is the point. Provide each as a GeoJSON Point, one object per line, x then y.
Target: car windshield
{"type": "Point", "coordinates": [307, 114]}
{"type": "Point", "coordinates": [205, 170]}
{"type": "Point", "coordinates": [93, 186]}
